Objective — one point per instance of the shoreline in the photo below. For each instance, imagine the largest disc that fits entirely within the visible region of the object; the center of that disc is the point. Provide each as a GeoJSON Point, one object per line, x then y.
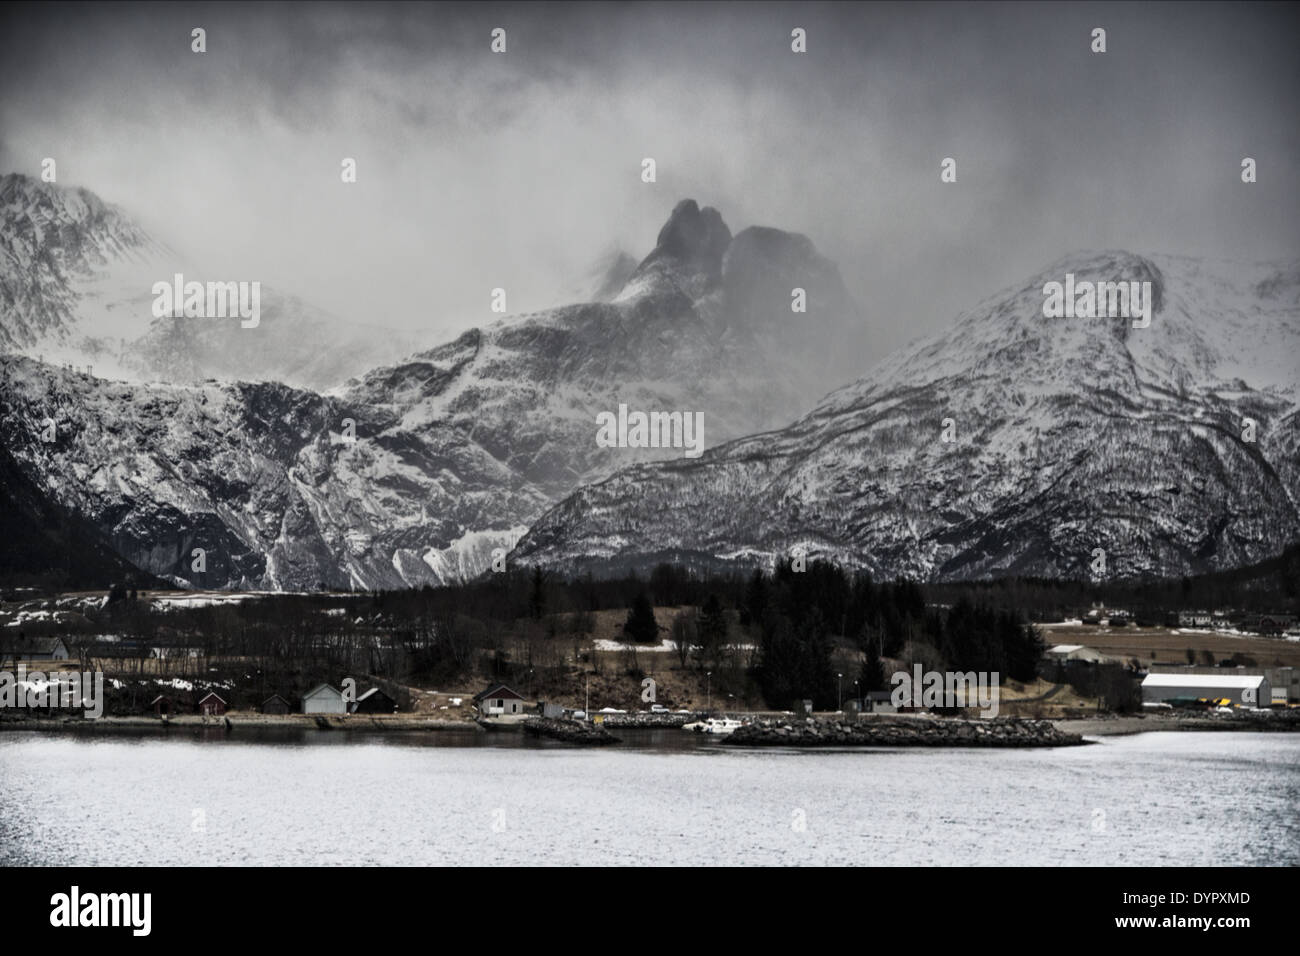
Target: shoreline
{"type": "Point", "coordinates": [1121, 726]}
{"type": "Point", "coordinates": [324, 723]}
{"type": "Point", "coordinates": [1064, 728]}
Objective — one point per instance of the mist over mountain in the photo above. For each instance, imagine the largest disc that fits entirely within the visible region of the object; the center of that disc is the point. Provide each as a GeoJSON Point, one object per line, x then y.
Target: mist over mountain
{"type": "Point", "coordinates": [76, 280]}
{"type": "Point", "coordinates": [605, 278]}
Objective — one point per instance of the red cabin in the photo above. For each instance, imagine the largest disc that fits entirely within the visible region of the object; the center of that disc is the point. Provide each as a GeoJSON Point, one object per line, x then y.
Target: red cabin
{"type": "Point", "coordinates": [212, 705]}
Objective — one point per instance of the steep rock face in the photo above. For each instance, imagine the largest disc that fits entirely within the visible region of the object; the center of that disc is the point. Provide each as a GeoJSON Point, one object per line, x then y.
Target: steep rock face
{"type": "Point", "coordinates": [762, 266]}
{"type": "Point", "coordinates": [45, 543]}
{"type": "Point", "coordinates": [767, 274]}
{"type": "Point", "coordinates": [413, 472]}
{"type": "Point", "coordinates": [1069, 435]}
{"type": "Point", "coordinates": [262, 478]}
{"type": "Point", "coordinates": [76, 281]}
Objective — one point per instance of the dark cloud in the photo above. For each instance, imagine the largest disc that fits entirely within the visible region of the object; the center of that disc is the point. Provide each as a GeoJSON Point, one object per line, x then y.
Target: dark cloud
{"type": "Point", "coordinates": [479, 170]}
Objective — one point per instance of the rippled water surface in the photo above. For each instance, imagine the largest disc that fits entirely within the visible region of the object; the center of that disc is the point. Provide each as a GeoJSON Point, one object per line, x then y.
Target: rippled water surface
{"type": "Point", "coordinates": [658, 798]}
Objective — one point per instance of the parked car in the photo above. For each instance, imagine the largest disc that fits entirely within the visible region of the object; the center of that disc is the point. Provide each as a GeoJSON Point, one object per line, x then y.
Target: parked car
{"type": "Point", "coordinates": [658, 709]}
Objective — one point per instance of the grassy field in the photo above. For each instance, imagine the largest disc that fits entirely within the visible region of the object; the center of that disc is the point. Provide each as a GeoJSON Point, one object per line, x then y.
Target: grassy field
{"type": "Point", "coordinates": [1169, 645]}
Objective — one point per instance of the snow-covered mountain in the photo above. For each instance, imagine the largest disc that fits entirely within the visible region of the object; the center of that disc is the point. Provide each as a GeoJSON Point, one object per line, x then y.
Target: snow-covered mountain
{"type": "Point", "coordinates": [261, 477]}
{"type": "Point", "coordinates": [76, 280]}
{"type": "Point", "coordinates": [688, 332]}
{"type": "Point", "coordinates": [1067, 435]}
{"type": "Point", "coordinates": [414, 472]}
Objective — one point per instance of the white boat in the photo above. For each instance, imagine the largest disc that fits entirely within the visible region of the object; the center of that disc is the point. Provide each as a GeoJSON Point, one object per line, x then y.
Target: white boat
{"type": "Point", "coordinates": [721, 725]}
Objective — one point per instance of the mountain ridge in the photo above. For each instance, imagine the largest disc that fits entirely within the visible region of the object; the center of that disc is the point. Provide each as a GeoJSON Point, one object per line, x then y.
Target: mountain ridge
{"type": "Point", "coordinates": [1056, 425]}
{"type": "Point", "coordinates": [410, 473]}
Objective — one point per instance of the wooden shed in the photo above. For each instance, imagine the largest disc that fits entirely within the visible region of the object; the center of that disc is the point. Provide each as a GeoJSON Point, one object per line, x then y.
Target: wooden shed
{"type": "Point", "coordinates": [162, 705]}
{"type": "Point", "coordinates": [212, 705]}
{"type": "Point", "coordinates": [35, 649]}
{"type": "Point", "coordinates": [374, 701]}
{"type": "Point", "coordinates": [275, 704]}
{"type": "Point", "coordinates": [499, 700]}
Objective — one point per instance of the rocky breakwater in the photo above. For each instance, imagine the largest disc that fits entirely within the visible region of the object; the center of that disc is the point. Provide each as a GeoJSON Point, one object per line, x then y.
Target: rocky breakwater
{"type": "Point", "coordinates": [644, 720]}
{"type": "Point", "coordinates": [570, 731]}
{"type": "Point", "coordinates": [902, 731]}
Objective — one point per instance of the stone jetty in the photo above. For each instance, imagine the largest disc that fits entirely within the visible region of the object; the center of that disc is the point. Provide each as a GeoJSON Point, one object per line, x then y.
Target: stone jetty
{"type": "Point", "coordinates": [901, 731]}
{"type": "Point", "coordinates": [570, 731]}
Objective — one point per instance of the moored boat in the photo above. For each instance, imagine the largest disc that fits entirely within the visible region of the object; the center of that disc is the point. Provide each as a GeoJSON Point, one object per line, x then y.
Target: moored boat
{"type": "Point", "coordinates": [721, 725]}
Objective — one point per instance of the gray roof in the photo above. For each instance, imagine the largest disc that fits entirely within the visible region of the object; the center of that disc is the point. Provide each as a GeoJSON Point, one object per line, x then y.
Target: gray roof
{"type": "Point", "coordinates": [496, 690]}
{"type": "Point", "coordinates": [1210, 681]}
{"type": "Point", "coordinates": [40, 645]}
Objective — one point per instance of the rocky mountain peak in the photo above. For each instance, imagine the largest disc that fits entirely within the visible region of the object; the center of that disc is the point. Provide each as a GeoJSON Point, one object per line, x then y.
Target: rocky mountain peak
{"type": "Point", "coordinates": [695, 236]}
{"type": "Point", "coordinates": [65, 223]}
{"type": "Point", "coordinates": [688, 252]}
{"type": "Point", "coordinates": [761, 267]}
{"type": "Point", "coordinates": [1112, 265]}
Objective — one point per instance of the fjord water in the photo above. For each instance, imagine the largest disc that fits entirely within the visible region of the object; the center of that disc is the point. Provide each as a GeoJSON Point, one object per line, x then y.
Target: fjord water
{"type": "Point", "coordinates": [658, 798]}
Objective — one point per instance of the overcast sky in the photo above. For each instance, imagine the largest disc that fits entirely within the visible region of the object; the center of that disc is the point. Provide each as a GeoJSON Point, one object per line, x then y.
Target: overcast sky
{"type": "Point", "coordinates": [478, 170]}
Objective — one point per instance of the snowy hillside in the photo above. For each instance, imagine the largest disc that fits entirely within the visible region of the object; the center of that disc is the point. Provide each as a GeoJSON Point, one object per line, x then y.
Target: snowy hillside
{"type": "Point", "coordinates": [1068, 435]}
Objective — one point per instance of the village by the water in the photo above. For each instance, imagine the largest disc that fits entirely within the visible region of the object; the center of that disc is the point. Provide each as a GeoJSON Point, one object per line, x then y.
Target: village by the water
{"type": "Point", "coordinates": [176, 660]}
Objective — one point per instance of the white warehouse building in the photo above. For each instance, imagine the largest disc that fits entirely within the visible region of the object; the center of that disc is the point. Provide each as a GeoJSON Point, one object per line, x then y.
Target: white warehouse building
{"type": "Point", "coordinates": [1243, 690]}
{"type": "Point", "coordinates": [324, 699]}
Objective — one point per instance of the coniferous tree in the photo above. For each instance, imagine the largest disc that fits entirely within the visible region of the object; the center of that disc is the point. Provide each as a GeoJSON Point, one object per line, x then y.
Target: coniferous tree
{"type": "Point", "coordinates": [711, 628]}
{"type": "Point", "coordinates": [641, 625]}
{"type": "Point", "coordinates": [755, 605]}
{"type": "Point", "coordinates": [1026, 651]}
{"type": "Point", "coordinates": [779, 654]}
{"type": "Point", "coordinates": [537, 598]}
{"type": "Point", "coordinates": [872, 676]}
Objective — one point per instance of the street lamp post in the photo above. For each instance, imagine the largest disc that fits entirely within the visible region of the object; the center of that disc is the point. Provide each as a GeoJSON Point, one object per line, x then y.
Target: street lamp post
{"type": "Point", "coordinates": [839, 694]}
{"type": "Point", "coordinates": [708, 683]}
